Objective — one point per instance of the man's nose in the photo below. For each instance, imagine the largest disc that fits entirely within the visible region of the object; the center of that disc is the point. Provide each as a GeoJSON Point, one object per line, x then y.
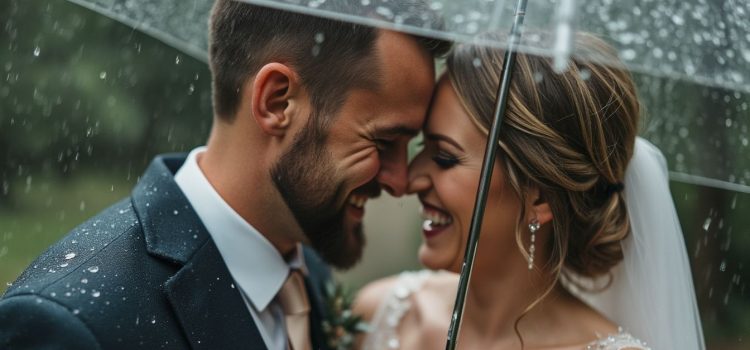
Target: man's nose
{"type": "Point", "coordinates": [394, 180]}
{"type": "Point", "coordinates": [394, 175]}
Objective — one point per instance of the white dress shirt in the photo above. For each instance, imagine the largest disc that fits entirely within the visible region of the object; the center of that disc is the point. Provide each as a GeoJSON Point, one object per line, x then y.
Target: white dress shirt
{"type": "Point", "coordinates": [256, 266]}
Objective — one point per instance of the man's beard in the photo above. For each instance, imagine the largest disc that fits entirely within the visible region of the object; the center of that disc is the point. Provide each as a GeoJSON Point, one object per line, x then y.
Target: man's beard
{"type": "Point", "coordinates": [307, 180]}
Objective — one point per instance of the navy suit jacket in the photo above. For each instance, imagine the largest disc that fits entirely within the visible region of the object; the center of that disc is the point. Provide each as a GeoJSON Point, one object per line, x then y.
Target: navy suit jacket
{"type": "Point", "coordinates": [144, 273]}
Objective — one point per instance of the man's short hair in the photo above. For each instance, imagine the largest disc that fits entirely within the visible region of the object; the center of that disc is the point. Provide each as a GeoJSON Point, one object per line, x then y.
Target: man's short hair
{"type": "Point", "coordinates": [330, 56]}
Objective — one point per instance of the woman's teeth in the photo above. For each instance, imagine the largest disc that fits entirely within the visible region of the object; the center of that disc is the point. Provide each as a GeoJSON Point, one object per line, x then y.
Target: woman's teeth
{"type": "Point", "coordinates": [358, 200]}
{"type": "Point", "coordinates": [436, 218]}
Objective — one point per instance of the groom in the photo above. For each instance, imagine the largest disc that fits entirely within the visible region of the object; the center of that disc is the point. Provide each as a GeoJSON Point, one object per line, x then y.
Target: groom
{"type": "Point", "coordinates": [311, 118]}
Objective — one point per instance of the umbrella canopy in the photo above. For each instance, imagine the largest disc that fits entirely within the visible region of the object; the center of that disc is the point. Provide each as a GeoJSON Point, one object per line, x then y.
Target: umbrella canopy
{"type": "Point", "coordinates": [702, 41]}
{"type": "Point", "coordinates": [698, 42]}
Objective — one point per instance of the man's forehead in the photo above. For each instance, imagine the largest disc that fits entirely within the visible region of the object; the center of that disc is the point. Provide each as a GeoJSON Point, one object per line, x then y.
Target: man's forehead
{"type": "Point", "coordinates": [396, 130]}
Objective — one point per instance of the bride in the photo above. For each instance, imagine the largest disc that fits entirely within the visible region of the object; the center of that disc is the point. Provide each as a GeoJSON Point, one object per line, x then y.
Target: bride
{"type": "Point", "coordinates": [580, 245]}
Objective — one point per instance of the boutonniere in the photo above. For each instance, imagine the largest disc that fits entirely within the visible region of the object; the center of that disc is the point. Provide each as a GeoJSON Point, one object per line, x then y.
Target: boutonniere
{"type": "Point", "coordinates": [340, 324]}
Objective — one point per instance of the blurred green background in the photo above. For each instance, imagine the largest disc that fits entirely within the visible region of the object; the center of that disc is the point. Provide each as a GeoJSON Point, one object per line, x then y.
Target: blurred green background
{"type": "Point", "coordinates": [85, 103]}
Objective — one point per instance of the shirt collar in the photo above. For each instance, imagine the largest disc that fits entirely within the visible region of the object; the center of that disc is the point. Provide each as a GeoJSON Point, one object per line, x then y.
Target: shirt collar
{"type": "Point", "coordinates": [254, 263]}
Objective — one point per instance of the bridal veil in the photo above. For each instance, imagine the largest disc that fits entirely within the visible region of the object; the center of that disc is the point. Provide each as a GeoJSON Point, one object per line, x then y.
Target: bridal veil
{"type": "Point", "coordinates": [652, 294]}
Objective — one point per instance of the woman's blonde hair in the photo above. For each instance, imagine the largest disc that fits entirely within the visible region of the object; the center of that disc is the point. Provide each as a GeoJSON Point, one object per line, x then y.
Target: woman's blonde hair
{"type": "Point", "coordinates": [570, 135]}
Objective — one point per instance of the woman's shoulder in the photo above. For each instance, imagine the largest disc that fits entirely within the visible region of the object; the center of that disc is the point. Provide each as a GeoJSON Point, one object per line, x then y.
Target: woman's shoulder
{"type": "Point", "coordinates": [402, 309]}
{"type": "Point", "coordinates": [409, 285]}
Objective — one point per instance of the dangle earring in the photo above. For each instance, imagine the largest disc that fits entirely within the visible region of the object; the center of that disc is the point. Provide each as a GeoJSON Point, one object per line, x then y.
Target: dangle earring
{"type": "Point", "coordinates": [534, 226]}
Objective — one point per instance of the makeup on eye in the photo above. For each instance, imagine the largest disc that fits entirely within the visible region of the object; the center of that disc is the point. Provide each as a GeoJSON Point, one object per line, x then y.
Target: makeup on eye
{"type": "Point", "coordinates": [445, 160]}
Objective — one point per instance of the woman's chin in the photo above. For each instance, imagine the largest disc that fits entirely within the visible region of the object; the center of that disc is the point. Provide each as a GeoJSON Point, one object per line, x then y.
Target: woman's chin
{"type": "Point", "coordinates": [436, 259]}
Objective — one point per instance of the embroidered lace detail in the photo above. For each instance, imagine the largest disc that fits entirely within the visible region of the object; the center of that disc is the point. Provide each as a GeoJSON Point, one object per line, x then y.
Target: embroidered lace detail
{"type": "Point", "coordinates": [618, 341]}
{"type": "Point", "coordinates": [384, 325]}
{"type": "Point", "coordinates": [383, 332]}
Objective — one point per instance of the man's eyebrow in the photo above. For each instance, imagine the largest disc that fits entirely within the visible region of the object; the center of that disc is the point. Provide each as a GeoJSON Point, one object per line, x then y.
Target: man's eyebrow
{"type": "Point", "coordinates": [439, 137]}
{"type": "Point", "coordinates": [395, 131]}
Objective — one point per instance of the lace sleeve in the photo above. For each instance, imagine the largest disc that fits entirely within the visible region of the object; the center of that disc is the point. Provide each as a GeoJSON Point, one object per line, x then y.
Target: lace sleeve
{"type": "Point", "coordinates": [383, 332]}
{"type": "Point", "coordinates": [618, 341]}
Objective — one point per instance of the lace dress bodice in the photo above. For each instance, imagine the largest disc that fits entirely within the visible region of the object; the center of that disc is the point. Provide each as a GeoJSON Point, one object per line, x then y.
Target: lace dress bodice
{"type": "Point", "coordinates": [383, 333]}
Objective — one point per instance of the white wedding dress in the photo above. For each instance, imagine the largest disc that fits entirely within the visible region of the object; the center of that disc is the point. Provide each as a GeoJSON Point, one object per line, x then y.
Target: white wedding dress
{"type": "Point", "coordinates": [384, 325]}
{"type": "Point", "coordinates": [651, 294]}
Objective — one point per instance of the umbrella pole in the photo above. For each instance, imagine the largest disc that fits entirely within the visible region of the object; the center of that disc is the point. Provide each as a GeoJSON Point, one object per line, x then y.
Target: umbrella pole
{"type": "Point", "coordinates": [486, 175]}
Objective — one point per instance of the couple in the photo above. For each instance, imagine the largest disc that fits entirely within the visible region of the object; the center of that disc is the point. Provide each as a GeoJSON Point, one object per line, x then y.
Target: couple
{"type": "Point", "coordinates": [229, 247]}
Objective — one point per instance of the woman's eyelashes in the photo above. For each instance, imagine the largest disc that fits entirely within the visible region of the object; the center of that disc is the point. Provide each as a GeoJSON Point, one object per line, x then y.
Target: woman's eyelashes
{"type": "Point", "coordinates": [444, 159]}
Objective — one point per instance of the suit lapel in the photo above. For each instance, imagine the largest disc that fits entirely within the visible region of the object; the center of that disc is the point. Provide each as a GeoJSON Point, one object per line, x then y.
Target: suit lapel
{"type": "Point", "coordinates": [202, 294]}
{"type": "Point", "coordinates": [209, 306]}
{"type": "Point", "coordinates": [318, 274]}
{"type": "Point", "coordinates": [317, 335]}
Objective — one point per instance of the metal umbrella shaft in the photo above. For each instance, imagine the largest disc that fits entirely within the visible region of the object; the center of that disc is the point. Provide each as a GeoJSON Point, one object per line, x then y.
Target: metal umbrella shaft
{"type": "Point", "coordinates": [486, 175]}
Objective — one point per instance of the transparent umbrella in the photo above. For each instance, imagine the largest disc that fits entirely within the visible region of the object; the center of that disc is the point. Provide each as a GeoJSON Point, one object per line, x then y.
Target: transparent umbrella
{"type": "Point", "coordinates": [700, 43]}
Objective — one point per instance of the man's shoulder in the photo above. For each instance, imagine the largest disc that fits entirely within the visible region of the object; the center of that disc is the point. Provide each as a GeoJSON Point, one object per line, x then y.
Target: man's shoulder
{"type": "Point", "coordinates": [100, 279]}
{"type": "Point", "coordinates": [80, 251]}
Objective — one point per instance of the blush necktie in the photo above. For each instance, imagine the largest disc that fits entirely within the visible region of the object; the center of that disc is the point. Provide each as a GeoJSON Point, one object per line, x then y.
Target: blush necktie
{"type": "Point", "coordinates": [294, 302]}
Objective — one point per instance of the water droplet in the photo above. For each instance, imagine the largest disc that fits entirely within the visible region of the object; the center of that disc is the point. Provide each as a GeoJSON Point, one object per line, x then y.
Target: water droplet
{"type": "Point", "coordinates": [53, 294]}
{"type": "Point", "coordinates": [103, 75]}
{"type": "Point", "coordinates": [37, 51]}
{"type": "Point", "coordinates": [76, 312]}
{"type": "Point", "coordinates": [628, 54]}
{"type": "Point", "coordinates": [723, 266]}
{"type": "Point", "coordinates": [385, 12]}
{"type": "Point", "coordinates": [93, 269]}
{"type": "Point", "coordinates": [84, 281]}
{"type": "Point", "coordinates": [585, 74]}
{"type": "Point", "coordinates": [70, 256]}
{"type": "Point", "coordinates": [175, 212]}
{"type": "Point", "coordinates": [153, 320]}
{"type": "Point", "coordinates": [707, 224]}
{"type": "Point", "coordinates": [320, 37]}
{"type": "Point", "coordinates": [64, 265]}
{"type": "Point", "coordinates": [177, 59]}
{"type": "Point", "coordinates": [95, 293]}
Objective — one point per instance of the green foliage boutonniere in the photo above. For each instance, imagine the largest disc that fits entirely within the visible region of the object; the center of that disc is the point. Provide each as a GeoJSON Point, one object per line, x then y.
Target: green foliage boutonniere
{"type": "Point", "coordinates": [341, 325]}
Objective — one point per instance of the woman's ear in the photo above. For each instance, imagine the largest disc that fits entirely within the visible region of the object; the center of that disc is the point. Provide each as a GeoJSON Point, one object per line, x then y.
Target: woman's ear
{"type": "Point", "coordinates": [274, 86]}
{"type": "Point", "coordinates": [539, 207]}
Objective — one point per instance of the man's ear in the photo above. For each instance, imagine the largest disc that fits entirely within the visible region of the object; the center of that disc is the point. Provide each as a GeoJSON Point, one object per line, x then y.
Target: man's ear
{"type": "Point", "coordinates": [539, 207]}
{"type": "Point", "coordinates": [274, 87]}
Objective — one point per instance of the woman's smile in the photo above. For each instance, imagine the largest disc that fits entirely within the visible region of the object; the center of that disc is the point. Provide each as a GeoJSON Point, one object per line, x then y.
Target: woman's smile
{"type": "Point", "coordinates": [435, 220]}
